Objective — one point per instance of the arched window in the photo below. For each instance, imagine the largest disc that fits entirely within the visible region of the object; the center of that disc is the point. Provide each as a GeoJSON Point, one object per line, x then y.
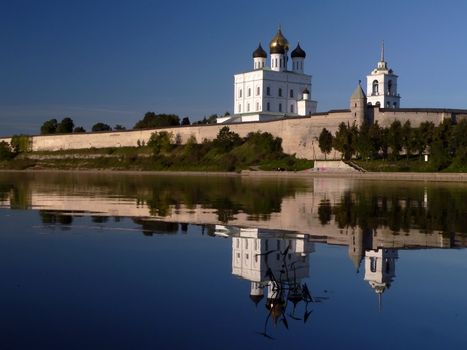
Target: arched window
{"type": "Point", "coordinates": [268, 106]}
{"type": "Point", "coordinates": [377, 104]}
{"type": "Point", "coordinates": [268, 91]}
{"type": "Point", "coordinates": [394, 105]}
{"type": "Point", "coordinates": [390, 87]}
{"type": "Point", "coordinates": [240, 93]}
{"type": "Point", "coordinates": [248, 107]}
{"type": "Point", "coordinates": [291, 93]}
{"type": "Point", "coordinates": [280, 107]}
{"type": "Point", "coordinates": [249, 92]}
{"type": "Point", "coordinates": [257, 90]}
{"type": "Point", "coordinates": [388, 105]}
{"type": "Point", "coordinates": [291, 109]}
{"type": "Point", "coordinates": [280, 92]}
{"type": "Point", "coordinates": [375, 88]}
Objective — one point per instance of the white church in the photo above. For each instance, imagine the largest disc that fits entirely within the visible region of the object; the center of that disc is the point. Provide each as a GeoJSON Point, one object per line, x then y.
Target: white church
{"type": "Point", "coordinates": [281, 90]}
{"type": "Point", "coordinates": [273, 91]}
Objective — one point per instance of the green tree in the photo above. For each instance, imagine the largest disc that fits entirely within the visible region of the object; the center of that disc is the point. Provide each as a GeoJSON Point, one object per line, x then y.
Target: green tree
{"type": "Point", "coordinates": [343, 141]}
{"type": "Point", "coordinates": [101, 127]}
{"type": "Point", "coordinates": [226, 139]}
{"type": "Point", "coordinates": [6, 152]}
{"type": "Point", "coordinates": [49, 127]}
{"type": "Point", "coordinates": [395, 138]}
{"type": "Point", "coordinates": [325, 142]}
{"type": "Point", "coordinates": [160, 142]}
{"type": "Point", "coordinates": [375, 134]}
{"type": "Point", "coordinates": [21, 143]}
{"type": "Point", "coordinates": [119, 127]}
{"type": "Point", "coordinates": [407, 136]}
{"type": "Point", "coordinates": [79, 129]}
{"type": "Point", "coordinates": [185, 121]}
{"type": "Point", "coordinates": [153, 120]}
{"type": "Point", "coordinates": [65, 126]}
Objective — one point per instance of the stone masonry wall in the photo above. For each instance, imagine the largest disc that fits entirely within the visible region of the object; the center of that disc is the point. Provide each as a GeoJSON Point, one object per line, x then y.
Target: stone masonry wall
{"type": "Point", "coordinates": [299, 135]}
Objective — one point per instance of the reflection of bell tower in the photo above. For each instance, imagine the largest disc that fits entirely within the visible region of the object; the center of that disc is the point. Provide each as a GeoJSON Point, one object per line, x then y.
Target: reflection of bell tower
{"type": "Point", "coordinates": [356, 247]}
{"type": "Point", "coordinates": [380, 269]}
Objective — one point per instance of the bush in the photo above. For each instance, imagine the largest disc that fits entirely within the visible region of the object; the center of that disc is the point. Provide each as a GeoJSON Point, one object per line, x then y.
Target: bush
{"type": "Point", "coordinates": [21, 143]}
{"type": "Point", "coordinates": [160, 142]}
{"type": "Point", "coordinates": [5, 151]}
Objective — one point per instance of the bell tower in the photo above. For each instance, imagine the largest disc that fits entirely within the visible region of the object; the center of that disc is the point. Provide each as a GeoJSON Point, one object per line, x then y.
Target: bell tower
{"type": "Point", "coordinates": [382, 85]}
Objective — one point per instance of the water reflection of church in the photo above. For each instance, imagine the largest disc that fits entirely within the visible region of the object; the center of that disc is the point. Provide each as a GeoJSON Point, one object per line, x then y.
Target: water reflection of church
{"type": "Point", "coordinates": [257, 256]}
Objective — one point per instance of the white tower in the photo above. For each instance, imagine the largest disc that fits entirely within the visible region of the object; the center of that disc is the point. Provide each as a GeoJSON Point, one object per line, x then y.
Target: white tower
{"type": "Point", "coordinates": [259, 57]}
{"type": "Point", "coordinates": [382, 86]}
{"type": "Point", "coordinates": [380, 269]}
{"type": "Point", "coordinates": [279, 48]}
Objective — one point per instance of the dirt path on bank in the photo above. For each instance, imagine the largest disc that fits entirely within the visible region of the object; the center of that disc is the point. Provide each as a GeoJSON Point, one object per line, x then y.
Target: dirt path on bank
{"type": "Point", "coordinates": [392, 176]}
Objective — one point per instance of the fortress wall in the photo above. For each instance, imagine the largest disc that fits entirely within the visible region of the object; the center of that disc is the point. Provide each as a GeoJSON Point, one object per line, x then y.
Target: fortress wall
{"type": "Point", "coordinates": [416, 117]}
{"type": "Point", "coordinates": [299, 135]}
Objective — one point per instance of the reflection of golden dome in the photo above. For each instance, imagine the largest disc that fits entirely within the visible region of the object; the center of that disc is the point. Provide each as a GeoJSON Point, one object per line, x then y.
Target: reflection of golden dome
{"type": "Point", "coordinates": [279, 40]}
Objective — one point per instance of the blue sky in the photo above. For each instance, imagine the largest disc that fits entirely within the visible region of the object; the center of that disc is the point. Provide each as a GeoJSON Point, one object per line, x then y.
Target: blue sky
{"type": "Point", "coordinates": [112, 61]}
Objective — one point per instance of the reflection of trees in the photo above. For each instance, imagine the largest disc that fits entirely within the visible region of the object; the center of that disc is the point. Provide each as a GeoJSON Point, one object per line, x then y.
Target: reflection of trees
{"type": "Point", "coordinates": [228, 196]}
{"type": "Point", "coordinates": [55, 218]}
{"type": "Point", "coordinates": [150, 227]}
{"type": "Point", "coordinates": [324, 211]}
{"type": "Point", "coordinates": [401, 209]}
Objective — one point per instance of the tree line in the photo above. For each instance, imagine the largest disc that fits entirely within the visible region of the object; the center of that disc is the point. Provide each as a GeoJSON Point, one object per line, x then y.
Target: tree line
{"type": "Point", "coordinates": [150, 120]}
{"type": "Point", "coordinates": [446, 143]}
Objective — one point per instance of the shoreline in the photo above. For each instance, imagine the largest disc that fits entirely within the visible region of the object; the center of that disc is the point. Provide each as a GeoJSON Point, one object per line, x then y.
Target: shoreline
{"type": "Point", "coordinates": [392, 176]}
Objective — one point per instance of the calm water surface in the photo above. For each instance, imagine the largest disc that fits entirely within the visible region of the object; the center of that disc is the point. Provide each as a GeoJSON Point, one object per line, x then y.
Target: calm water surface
{"type": "Point", "coordinates": [147, 262]}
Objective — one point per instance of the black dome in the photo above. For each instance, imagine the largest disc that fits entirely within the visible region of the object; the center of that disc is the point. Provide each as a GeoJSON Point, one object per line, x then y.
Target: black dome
{"type": "Point", "coordinates": [259, 52]}
{"type": "Point", "coordinates": [298, 52]}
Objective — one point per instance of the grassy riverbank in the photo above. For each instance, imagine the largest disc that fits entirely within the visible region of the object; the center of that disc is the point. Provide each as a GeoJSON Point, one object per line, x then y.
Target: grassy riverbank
{"type": "Point", "coordinates": [413, 164]}
{"type": "Point", "coordinates": [228, 152]}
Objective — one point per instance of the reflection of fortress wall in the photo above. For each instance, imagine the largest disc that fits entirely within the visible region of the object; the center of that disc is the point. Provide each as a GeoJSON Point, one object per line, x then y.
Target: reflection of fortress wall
{"type": "Point", "coordinates": [298, 214]}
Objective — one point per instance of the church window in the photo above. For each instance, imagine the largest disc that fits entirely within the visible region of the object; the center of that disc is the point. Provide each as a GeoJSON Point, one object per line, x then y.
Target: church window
{"type": "Point", "coordinates": [390, 87]}
{"type": "Point", "coordinates": [240, 93]}
{"type": "Point", "coordinates": [249, 92]}
{"type": "Point", "coordinates": [268, 106]}
{"type": "Point", "coordinates": [388, 105]}
{"type": "Point", "coordinates": [291, 93]}
{"type": "Point", "coordinates": [247, 256]}
{"type": "Point", "coordinates": [280, 107]}
{"type": "Point", "coordinates": [375, 88]}
{"type": "Point", "coordinates": [395, 105]}
{"type": "Point", "coordinates": [373, 264]}
{"type": "Point", "coordinates": [291, 109]}
{"type": "Point", "coordinates": [275, 62]}
{"type": "Point", "coordinates": [248, 107]}
{"type": "Point", "coordinates": [257, 106]}
{"type": "Point", "coordinates": [377, 104]}
{"type": "Point", "coordinates": [268, 91]}
{"type": "Point", "coordinates": [280, 92]}
{"type": "Point", "coordinates": [258, 90]}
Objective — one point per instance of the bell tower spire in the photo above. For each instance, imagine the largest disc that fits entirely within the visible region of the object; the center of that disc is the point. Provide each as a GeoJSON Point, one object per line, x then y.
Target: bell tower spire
{"type": "Point", "coordinates": [382, 51]}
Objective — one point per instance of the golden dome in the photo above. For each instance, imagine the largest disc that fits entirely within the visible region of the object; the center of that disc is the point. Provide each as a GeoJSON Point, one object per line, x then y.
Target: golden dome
{"type": "Point", "coordinates": [279, 40]}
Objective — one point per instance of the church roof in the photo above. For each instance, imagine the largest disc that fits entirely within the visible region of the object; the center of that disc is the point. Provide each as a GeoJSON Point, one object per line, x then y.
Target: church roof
{"type": "Point", "coordinates": [358, 93]}
{"type": "Point", "coordinates": [278, 48]}
{"type": "Point", "coordinates": [306, 91]}
{"type": "Point", "coordinates": [259, 52]}
{"type": "Point", "coordinates": [278, 42]}
{"type": "Point", "coordinates": [298, 52]}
